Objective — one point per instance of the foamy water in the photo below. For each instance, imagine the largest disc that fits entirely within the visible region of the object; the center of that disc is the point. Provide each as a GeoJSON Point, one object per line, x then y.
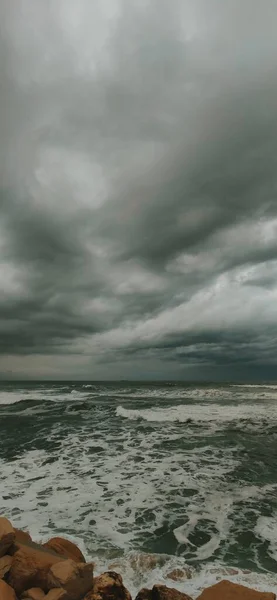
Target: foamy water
{"type": "Point", "coordinates": [186, 474]}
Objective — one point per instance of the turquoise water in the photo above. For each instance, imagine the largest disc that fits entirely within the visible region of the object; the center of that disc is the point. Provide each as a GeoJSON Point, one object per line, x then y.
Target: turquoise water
{"type": "Point", "coordinates": [189, 471]}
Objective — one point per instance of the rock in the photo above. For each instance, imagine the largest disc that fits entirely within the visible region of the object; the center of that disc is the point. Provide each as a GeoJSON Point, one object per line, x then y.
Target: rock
{"type": "Point", "coordinates": [162, 592]}
{"type": "Point", "coordinates": [225, 590]}
{"type": "Point", "coordinates": [75, 578]}
{"type": "Point", "coordinates": [179, 575]}
{"type": "Point", "coordinates": [140, 562]}
{"type": "Point", "coordinates": [144, 594]}
{"type": "Point", "coordinates": [34, 594]}
{"type": "Point", "coordinates": [56, 594]}
{"type": "Point", "coordinates": [30, 568]}
{"type": "Point", "coordinates": [7, 536]}
{"type": "Point", "coordinates": [108, 586]}
{"type": "Point", "coordinates": [6, 592]}
{"type": "Point", "coordinates": [5, 565]}
{"type": "Point", "coordinates": [65, 548]}
{"type": "Point", "coordinates": [22, 536]}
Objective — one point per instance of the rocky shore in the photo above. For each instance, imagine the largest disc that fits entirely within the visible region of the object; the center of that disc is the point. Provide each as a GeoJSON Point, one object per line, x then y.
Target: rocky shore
{"type": "Point", "coordinates": [57, 570]}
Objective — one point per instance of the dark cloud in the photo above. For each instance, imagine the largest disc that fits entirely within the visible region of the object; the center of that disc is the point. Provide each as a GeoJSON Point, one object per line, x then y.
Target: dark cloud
{"type": "Point", "coordinates": [138, 170]}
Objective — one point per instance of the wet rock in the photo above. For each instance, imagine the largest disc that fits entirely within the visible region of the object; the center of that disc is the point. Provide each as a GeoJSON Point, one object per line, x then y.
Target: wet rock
{"type": "Point", "coordinates": [6, 592]}
{"type": "Point", "coordinates": [225, 590]}
{"type": "Point", "coordinates": [75, 578]}
{"type": "Point", "coordinates": [162, 592]}
{"type": "Point", "coordinates": [22, 536]}
{"type": "Point", "coordinates": [30, 567]}
{"type": "Point", "coordinates": [56, 594]}
{"type": "Point", "coordinates": [5, 565]}
{"type": "Point", "coordinates": [108, 586]}
{"type": "Point", "coordinates": [34, 594]}
{"type": "Point", "coordinates": [179, 575]}
{"type": "Point", "coordinates": [65, 548]}
{"type": "Point", "coordinates": [7, 536]}
{"type": "Point", "coordinates": [144, 594]}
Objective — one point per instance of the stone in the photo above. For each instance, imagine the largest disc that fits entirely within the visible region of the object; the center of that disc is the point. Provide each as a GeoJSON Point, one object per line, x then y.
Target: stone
{"type": "Point", "coordinates": [56, 594]}
{"type": "Point", "coordinates": [22, 536]}
{"type": "Point", "coordinates": [179, 575]}
{"type": "Point", "coordinates": [75, 578]}
{"type": "Point", "coordinates": [5, 565]}
{"type": "Point", "coordinates": [144, 594]}
{"type": "Point", "coordinates": [162, 592]}
{"type": "Point", "coordinates": [226, 590]}
{"type": "Point", "coordinates": [30, 568]}
{"type": "Point", "coordinates": [6, 592]}
{"type": "Point", "coordinates": [65, 548]}
{"type": "Point", "coordinates": [34, 594]}
{"type": "Point", "coordinates": [7, 536]}
{"type": "Point", "coordinates": [108, 586]}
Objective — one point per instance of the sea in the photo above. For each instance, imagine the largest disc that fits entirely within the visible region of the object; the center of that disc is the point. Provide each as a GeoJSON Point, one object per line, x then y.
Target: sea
{"type": "Point", "coordinates": [147, 477]}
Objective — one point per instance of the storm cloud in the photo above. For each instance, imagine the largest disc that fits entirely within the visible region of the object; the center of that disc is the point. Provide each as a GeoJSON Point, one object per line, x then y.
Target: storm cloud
{"type": "Point", "coordinates": [138, 172]}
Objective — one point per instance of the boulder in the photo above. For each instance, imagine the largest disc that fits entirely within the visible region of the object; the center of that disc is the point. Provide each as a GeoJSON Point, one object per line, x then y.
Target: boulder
{"type": "Point", "coordinates": [56, 594]}
{"type": "Point", "coordinates": [34, 594]}
{"type": "Point", "coordinates": [179, 575]}
{"type": "Point", "coordinates": [225, 590]}
{"type": "Point", "coordinates": [65, 548]}
{"type": "Point", "coordinates": [7, 536]}
{"type": "Point", "coordinates": [161, 592]}
{"type": "Point", "coordinates": [5, 565]}
{"type": "Point", "coordinates": [108, 586]}
{"type": "Point", "coordinates": [144, 594]}
{"type": "Point", "coordinates": [6, 592]}
{"type": "Point", "coordinates": [30, 568]}
{"type": "Point", "coordinates": [22, 537]}
{"type": "Point", "coordinates": [75, 578]}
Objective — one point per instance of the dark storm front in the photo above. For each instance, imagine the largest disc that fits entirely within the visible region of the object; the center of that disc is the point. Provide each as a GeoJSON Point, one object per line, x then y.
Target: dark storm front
{"type": "Point", "coordinates": [184, 470]}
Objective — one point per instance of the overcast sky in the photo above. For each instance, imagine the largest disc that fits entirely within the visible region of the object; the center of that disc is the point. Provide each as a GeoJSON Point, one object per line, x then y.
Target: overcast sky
{"type": "Point", "coordinates": [138, 172]}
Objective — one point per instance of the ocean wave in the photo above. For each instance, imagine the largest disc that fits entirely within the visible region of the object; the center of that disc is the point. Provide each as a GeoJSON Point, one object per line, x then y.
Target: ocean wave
{"type": "Point", "coordinates": [141, 570]}
{"type": "Point", "coordinates": [7, 397]}
{"type": "Point", "coordinates": [201, 413]}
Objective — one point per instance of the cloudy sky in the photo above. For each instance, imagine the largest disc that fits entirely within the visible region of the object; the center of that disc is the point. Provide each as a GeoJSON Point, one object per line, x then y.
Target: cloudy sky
{"type": "Point", "coordinates": [138, 172]}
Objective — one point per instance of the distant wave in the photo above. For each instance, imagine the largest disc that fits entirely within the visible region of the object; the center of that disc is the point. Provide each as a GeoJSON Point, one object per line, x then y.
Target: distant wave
{"type": "Point", "coordinates": [201, 413]}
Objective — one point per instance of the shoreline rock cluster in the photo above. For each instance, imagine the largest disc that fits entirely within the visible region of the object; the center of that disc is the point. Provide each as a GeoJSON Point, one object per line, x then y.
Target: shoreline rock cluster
{"type": "Point", "coordinates": [57, 570]}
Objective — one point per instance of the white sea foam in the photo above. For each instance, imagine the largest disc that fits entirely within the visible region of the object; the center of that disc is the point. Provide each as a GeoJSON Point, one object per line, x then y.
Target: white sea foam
{"type": "Point", "coordinates": [122, 485]}
{"type": "Point", "coordinates": [198, 413]}
{"type": "Point", "coordinates": [7, 397]}
{"type": "Point", "coordinates": [136, 575]}
{"type": "Point", "coordinates": [266, 529]}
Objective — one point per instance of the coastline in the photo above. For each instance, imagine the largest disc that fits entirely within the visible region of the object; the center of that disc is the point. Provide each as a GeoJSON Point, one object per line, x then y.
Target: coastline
{"type": "Point", "coordinates": [26, 564]}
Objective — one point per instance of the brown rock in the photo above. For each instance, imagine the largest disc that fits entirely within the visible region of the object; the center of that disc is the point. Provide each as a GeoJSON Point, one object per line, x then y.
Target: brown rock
{"type": "Point", "coordinates": [65, 548]}
{"type": "Point", "coordinates": [108, 586]}
{"type": "Point", "coordinates": [22, 536]}
{"type": "Point", "coordinates": [179, 575]}
{"type": "Point", "coordinates": [6, 592]}
{"type": "Point", "coordinates": [225, 590]}
{"type": "Point", "coordinates": [144, 594]}
{"type": "Point", "coordinates": [162, 592]}
{"type": "Point", "coordinates": [7, 535]}
{"type": "Point", "coordinates": [5, 565]}
{"type": "Point", "coordinates": [34, 594]}
{"type": "Point", "coordinates": [56, 594]}
{"type": "Point", "coordinates": [75, 578]}
{"type": "Point", "coordinates": [30, 568]}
